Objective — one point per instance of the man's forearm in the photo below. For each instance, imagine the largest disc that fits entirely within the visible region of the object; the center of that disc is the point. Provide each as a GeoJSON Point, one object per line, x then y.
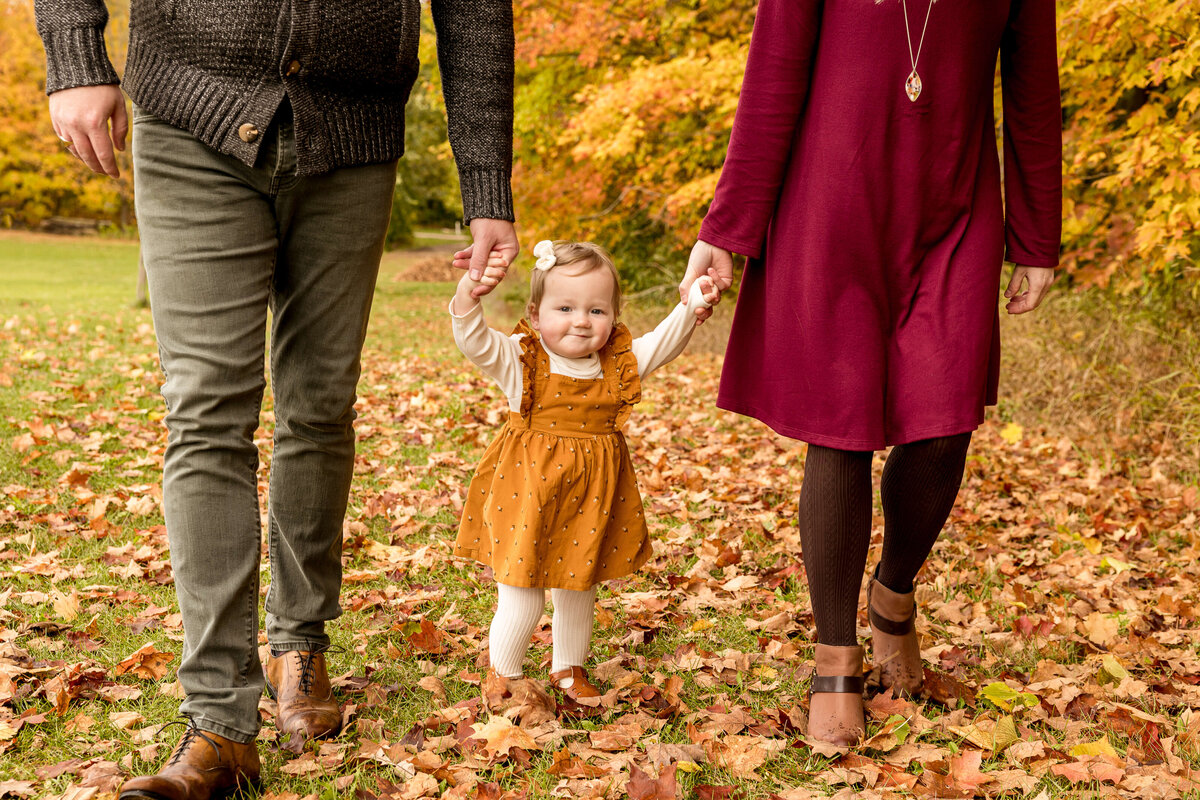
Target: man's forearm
{"type": "Point", "coordinates": [476, 52]}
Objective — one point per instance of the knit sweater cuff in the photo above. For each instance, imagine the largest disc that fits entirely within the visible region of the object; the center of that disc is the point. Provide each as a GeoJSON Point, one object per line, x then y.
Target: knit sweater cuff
{"type": "Point", "coordinates": [77, 57]}
{"type": "Point", "coordinates": [486, 194]}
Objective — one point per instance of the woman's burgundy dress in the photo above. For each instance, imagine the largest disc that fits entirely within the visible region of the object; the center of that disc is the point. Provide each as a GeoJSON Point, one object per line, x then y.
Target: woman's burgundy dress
{"type": "Point", "coordinates": [868, 314]}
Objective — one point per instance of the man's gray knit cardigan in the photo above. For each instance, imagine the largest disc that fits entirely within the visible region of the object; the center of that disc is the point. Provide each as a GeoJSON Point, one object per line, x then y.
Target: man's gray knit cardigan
{"type": "Point", "coordinates": [220, 70]}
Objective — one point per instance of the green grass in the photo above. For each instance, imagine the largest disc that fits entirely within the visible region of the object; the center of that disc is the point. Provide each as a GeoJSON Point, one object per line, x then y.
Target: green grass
{"type": "Point", "coordinates": [68, 276]}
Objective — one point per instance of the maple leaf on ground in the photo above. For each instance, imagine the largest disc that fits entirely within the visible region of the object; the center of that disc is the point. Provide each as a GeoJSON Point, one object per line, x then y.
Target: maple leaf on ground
{"type": "Point", "coordinates": [616, 737]}
{"type": "Point", "coordinates": [147, 662]}
{"type": "Point", "coordinates": [743, 755]}
{"type": "Point", "coordinates": [520, 699]}
{"type": "Point", "coordinates": [421, 785]}
{"type": "Point", "coordinates": [709, 792]}
{"type": "Point", "coordinates": [887, 704]}
{"type": "Point", "coordinates": [1087, 770]}
{"type": "Point", "coordinates": [72, 766]}
{"type": "Point", "coordinates": [962, 778]}
{"type": "Point", "coordinates": [663, 754]}
{"type": "Point", "coordinates": [499, 736]}
{"type": "Point", "coordinates": [70, 684]}
{"type": "Point", "coordinates": [104, 775]}
{"type": "Point", "coordinates": [946, 689]}
{"type": "Point", "coordinates": [642, 787]}
{"type": "Point", "coordinates": [306, 764]}
{"type": "Point", "coordinates": [17, 788]}
{"type": "Point", "coordinates": [426, 637]}
{"type": "Point", "coordinates": [125, 720]}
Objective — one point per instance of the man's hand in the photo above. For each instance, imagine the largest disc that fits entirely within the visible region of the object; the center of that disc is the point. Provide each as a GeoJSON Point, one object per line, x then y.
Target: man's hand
{"type": "Point", "coordinates": [1037, 281]}
{"type": "Point", "coordinates": [80, 117]}
{"type": "Point", "coordinates": [495, 240]}
{"type": "Point", "coordinates": [716, 263]}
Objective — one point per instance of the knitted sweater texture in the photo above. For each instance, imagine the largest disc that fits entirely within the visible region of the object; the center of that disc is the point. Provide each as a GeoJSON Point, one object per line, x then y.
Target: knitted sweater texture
{"type": "Point", "coordinates": [221, 70]}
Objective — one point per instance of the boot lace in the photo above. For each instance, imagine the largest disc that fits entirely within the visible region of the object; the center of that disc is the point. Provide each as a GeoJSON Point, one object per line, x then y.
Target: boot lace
{"type": "Point", "coordinates": [190, 734]}
{"type": "Point", "coordinates": [308, 667]}
{"type": "Point", "coordinates": [308, 670]}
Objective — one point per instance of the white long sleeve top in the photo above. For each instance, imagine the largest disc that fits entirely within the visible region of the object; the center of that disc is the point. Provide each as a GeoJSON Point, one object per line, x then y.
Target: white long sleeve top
{"type": "Point", "coordinates": [499, 355]}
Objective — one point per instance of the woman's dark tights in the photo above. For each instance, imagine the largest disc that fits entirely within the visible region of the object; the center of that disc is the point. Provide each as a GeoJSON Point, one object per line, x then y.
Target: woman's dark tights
{"type": "Point", "coordinates": [919, 485]}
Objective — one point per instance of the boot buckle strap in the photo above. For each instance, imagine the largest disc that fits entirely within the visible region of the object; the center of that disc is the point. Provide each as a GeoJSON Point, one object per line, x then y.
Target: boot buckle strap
{"type": "Point", "coordinates": [891, 627]}
{"type": "Point", "coordinates": [837, 684]}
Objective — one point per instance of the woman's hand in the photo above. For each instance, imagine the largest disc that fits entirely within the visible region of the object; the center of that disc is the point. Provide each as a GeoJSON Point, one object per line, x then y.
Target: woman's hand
{"type": "Point", "coordinates": [1035, 282]}
{"type": "Point", "coordinates": [716, 263]}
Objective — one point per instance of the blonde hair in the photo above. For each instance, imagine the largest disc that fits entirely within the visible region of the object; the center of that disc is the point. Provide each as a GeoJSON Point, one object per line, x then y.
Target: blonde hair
{"type": "Point", "coordinates": [591, 256]}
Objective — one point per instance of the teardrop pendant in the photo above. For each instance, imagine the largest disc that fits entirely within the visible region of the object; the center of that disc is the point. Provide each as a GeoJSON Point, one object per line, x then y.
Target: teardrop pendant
{"type": "Point", "coordinates": [912, 86]}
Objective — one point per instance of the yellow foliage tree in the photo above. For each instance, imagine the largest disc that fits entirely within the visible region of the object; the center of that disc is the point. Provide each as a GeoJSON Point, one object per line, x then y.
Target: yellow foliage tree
{"type": "Point", "coordinates": [38, 177]}
{"type": "Point", "coordinates": [1131, 97]}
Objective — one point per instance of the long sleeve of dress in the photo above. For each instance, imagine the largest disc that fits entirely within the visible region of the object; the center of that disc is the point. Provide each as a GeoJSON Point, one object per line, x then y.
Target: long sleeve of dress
{"type": "Point", "coordinates": [1032, 135]}
{"type": "Point", "coordinates": [667, 340]}
{"type": "Point", "coordinates": [72, 33]}
{"type": "Point", "coordinates": [499, 356]}
{"type": "Point", "coordinates": [772, 98]}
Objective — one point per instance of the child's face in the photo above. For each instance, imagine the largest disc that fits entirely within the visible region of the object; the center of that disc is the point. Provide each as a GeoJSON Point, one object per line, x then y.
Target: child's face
{"type": "Point", "coordinates": [576, 314]}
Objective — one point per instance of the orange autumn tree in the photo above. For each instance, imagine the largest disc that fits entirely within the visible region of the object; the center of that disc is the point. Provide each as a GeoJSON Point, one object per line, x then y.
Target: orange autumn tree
{"type": "Point", "coordinates": [624, 111]}
{"type": "Point", "coordinates": [623, 114]}
{"type": "Point", "coordinates": [38, 177]}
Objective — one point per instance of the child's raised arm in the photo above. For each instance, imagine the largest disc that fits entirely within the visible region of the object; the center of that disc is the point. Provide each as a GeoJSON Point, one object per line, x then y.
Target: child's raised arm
{"type": "Point", "coordinates": [497, 355]}
{"type": "Point", "coordinates": [667, 341]}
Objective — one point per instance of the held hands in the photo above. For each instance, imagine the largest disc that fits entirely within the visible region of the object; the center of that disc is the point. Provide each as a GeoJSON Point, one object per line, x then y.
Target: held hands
{"type": "Point", "coordinates": [469, 291]}
{"type": "Point", "coordinates": [709, 291]}
{"type": "Point", "coordinates": [494, 240]}
{"type": "Point", "coordinates": [714, 263]}
{"type": "Point", "coordinates": [80, 117]}
{"type": "Point", "coordinates": [1037, 281]}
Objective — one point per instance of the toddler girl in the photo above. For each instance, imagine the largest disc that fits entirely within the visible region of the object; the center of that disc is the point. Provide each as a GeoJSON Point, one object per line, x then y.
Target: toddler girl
{"type": "Point", "coordinates": [554, 502]}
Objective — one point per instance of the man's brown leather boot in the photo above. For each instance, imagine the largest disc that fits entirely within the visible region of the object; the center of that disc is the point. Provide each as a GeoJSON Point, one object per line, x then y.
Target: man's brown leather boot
{"type": "Point", "coordinates": [299, 682]}
{"type": "Point", "coordinates": [203, 766]}
{"type": "Point", "coordinates": [894, 638]}
{"type": "Point", "coordinates": [835, 712]}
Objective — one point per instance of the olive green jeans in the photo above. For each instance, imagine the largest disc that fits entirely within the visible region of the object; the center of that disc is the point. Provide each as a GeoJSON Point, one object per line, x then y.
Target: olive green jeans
{"type": "Point", "coordinates": [224, 244]}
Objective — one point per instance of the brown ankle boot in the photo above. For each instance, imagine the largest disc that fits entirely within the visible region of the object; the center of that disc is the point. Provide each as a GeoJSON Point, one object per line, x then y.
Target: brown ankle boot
{"type": "Point", "coordinates": [299, 682]}
{"type": "Point", "coordinates": [836, 704]}
{"type": "Point", "coordinates": [203, 766]}
{"type": "Point", "coordinates": [894, 642]}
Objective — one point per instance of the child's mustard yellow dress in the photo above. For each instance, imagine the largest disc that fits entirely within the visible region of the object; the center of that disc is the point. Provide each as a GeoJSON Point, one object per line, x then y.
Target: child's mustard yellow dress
{"type": "Point", "coordinates": [554, 502]}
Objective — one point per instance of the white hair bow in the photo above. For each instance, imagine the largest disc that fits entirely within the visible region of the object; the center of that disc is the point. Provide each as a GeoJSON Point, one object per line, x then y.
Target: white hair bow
{"type": "Point", "coordinates": [544, 250]}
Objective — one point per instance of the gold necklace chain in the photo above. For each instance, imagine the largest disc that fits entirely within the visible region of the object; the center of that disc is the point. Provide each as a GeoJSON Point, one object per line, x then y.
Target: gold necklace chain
{"type": "Point", "coordinates": [912, 85]}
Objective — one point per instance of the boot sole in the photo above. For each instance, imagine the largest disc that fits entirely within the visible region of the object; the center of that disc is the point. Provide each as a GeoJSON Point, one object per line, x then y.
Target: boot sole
{"type": "Point", "coordinates": [139, 794]}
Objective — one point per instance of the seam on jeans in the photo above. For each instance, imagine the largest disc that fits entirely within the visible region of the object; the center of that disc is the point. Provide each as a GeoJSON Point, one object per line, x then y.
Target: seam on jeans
{"type": "Point", "coordinates": [251, 649]}
{"type": "Point", "coordinates": [272, 547]}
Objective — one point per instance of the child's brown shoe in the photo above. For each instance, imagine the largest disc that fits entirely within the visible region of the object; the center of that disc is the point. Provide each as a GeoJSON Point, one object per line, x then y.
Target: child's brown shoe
{"type": "Point", "coordinates": [581, 689]}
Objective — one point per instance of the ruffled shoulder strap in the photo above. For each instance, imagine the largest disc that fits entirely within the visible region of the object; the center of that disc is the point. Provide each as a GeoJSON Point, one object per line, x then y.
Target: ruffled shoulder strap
{"type": "Point", "coordinates": [533, 356]}
{"type": "Point", "coordinates": [621, 371]}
